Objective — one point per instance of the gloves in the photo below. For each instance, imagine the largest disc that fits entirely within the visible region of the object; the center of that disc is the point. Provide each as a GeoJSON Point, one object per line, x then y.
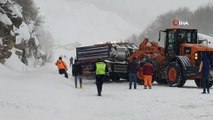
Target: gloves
{"type": "Point", "coordinates": [107, 74]}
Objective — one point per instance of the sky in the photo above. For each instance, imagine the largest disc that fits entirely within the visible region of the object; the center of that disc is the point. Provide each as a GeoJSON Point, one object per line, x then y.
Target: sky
{"type": "Point", "coordinates": [142, 12]}
{"type": "Point", "coordinates": [89, 22]}
{"type": "Point", "coordinates": [122, 18]}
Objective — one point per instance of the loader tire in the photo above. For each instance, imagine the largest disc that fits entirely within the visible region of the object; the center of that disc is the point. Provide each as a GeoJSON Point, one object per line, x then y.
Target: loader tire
{"type": "Point", "coordinates": [175, 75]}
{"type": "Point", "coordinates": [199, 83]}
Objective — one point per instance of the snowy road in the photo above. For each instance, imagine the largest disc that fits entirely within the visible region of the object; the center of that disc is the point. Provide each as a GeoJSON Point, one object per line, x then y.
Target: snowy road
{"type": "Point", "coordinates": [44, 95]}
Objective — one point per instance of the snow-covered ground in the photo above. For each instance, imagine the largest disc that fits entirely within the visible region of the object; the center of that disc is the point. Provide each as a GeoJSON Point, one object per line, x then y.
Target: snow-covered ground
{"type": "Point", "coordinates": [42, 94]}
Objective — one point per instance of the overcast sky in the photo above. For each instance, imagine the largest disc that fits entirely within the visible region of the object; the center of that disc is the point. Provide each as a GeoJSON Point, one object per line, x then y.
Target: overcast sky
{"type": "Point", "coordinates": [142, 12]}
{"type": "Point", "coordinates": [104, 20]}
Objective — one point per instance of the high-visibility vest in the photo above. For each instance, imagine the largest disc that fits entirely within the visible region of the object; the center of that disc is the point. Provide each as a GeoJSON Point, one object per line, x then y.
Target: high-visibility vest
{"type": "Point", "coordinates": [100, 68]}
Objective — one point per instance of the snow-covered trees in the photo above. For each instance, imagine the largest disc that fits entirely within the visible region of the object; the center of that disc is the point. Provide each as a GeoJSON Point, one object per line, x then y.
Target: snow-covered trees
{"type": "Point", "coordinates": [200, 19]}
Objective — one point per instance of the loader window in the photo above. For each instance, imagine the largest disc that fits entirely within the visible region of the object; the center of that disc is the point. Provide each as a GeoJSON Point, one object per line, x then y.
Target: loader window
{"type": "Point", "coordinates": [171, 47]}
{"type": "Point", "coordinates": [187, 36]}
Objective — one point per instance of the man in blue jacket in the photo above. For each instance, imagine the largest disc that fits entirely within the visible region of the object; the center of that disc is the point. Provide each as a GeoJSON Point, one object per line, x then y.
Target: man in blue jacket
{"type": "Point", "coordinates": [132, 68]}
{"type": "Point", "coordinates": [204, 69]}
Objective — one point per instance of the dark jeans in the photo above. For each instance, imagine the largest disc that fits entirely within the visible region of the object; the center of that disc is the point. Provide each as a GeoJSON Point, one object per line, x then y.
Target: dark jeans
{"type": "Point", "coordinates": [63, 71]}
{"type": "Point", "coordinates": [76, 79]}
{"type": "Point", "coordinates": [99, 83]}
{"type": "Point", "coordinates": [132, 78]}
{"type": "Point", "coordinates": [205, 83]}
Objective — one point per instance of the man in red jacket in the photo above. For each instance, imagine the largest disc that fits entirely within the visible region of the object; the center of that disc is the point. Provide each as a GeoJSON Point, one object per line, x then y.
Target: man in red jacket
{"type": "Point", "coordinates": [148, 70]}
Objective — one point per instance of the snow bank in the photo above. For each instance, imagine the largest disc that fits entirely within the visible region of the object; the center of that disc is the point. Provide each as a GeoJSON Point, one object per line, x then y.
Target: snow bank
{"type": "Point", "coordinates": [14, 63]}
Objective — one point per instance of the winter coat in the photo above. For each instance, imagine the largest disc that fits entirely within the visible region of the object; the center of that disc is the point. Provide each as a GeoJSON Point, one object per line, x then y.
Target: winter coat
{"type": "Point", "coordinates": [148, 69]}
{"type": "Point", "coordinates": [61, 64]}
{"type": "Point", "coordinates": [133, 66]}
{"type": "Point", "coordinates": [205, 66]}
{"type": "Point", "coordinates": [77, 69]}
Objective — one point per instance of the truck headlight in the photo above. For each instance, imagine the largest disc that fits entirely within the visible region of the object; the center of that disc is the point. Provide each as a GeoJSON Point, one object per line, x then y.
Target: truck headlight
{"type": "Point", "coordinates": [196, 56]}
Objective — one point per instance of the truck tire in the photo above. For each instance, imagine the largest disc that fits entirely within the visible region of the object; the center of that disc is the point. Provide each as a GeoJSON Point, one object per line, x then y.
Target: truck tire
{"type": "Point", "coordinates": [159, 79]}
{"type": "Point", "coordinates": [199, 83]}
{"type": "Point", "coordinates": [175, 75]}
{"type": "Point", "coordinates": [115, 78]}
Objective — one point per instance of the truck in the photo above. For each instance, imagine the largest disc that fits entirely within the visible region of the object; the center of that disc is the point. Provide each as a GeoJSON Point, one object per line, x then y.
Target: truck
{"type": "Point", "coordinates": [114, 54]}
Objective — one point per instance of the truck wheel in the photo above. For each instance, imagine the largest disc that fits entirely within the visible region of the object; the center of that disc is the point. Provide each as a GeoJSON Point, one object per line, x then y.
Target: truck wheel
{"type": "Point", "coordinates": [115, 78]}
{"type": "Point", "coordinates": [174, 75]}
{"type": "Point", "coordinates": [159, 79]}
{"type": "Point", "coordinates": [140, 74]}
{"type": "Point", "coordinates": [199, 83]}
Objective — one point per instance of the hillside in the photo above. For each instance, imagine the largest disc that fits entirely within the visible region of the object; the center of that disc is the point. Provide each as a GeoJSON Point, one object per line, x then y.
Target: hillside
{"type": "Point", "coordinates": [83, 22]}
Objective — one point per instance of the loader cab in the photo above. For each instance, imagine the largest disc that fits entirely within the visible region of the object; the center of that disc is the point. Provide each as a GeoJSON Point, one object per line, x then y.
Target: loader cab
{"type": "Point", "coordinates": [175, 37]}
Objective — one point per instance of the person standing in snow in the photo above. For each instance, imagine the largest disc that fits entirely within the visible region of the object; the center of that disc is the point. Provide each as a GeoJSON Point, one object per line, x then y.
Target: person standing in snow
{"type": "Point", "coordinates": [77, 73]}
{"type": "Point", "coordinates": [204, 69]}
{"type": "Point", "coordinates": [71, 61]}
{"type": "Point", "coordinates": [62, 67]}
{"type": "Point", "coordinates": [100, 72]}
{"type": "Point", "coordinates": [132, 68]}
{"type": "Point", "coordinates": [148, 71]}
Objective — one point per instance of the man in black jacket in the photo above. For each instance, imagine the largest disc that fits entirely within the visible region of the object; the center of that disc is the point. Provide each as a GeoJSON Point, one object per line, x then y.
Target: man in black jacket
{"type": "Point", "coordinates": [77, 73]}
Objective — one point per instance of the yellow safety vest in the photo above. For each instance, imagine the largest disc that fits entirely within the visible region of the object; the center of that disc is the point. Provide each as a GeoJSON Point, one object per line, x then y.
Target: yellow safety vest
{"type": "Point", "coordinates": [100, 68]}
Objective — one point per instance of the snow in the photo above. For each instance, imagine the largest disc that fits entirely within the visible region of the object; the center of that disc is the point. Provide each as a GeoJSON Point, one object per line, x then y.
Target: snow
{"type": "Point", "coordinates": [14, 63]}
{"type": "Point", "coordinates": [15, 10]}
{"type": "Point", "coordinates": [42, 94]}
{"type": "Point", "coordinates": [83, 22]}
{"type": "Point", "coordinates": [3, 1]}
{"type": "Point", "coordinates": [209, 39]}
{"type": "Point", "coordinates": [4, 19]}
{"type": "Point", "coordinates": [72, 22]}
{"type": "Point", "coordinates": [23, 33]}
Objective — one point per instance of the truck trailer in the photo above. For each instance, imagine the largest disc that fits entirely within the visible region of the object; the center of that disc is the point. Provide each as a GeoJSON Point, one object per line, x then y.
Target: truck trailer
{"type": "Point", "coordinates": [114, 54]}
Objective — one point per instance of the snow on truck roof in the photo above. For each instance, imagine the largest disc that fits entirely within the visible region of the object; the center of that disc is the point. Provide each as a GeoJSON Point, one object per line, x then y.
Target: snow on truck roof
{"type": "Point", "coordinates": [209, 39]}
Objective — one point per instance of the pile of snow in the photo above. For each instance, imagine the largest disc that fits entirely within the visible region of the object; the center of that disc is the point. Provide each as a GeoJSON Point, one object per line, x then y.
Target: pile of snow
{"type": "Point", "coordinates": [15, 64]}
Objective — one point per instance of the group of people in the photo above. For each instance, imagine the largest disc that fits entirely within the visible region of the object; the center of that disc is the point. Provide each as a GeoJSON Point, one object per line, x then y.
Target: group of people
{"type": "Point", "coordinates": [147, 69]}
{"type": "Point", "coordinates": [101, 70]}
{"type": "Point", "coordinates": [76, 69]}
